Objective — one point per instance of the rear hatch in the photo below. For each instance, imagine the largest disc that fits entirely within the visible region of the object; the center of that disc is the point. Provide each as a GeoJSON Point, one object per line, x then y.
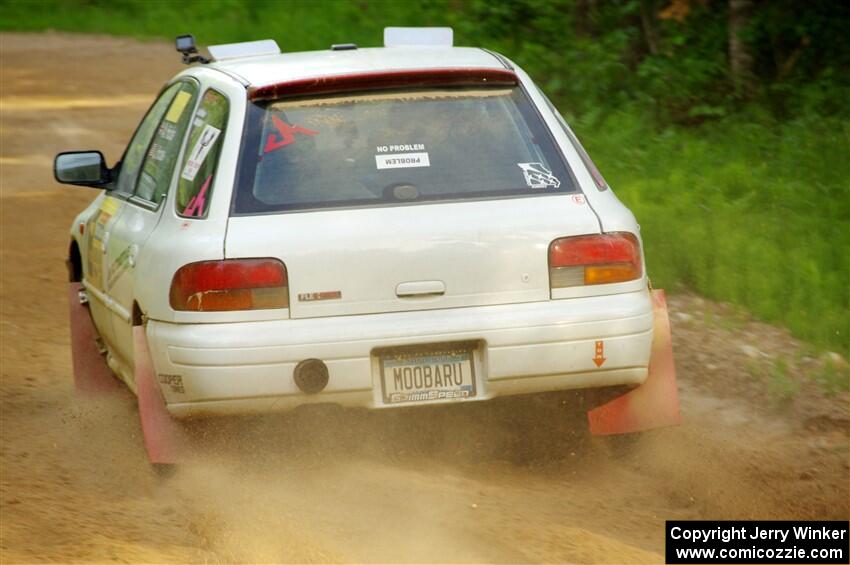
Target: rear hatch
{"type": "Point", "coordinates": [405, 198]}
{"type": "Point", "coordinates": [417, 257]}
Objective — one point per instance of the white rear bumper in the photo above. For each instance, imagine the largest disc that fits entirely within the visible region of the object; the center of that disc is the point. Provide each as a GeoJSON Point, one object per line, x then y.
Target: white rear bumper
{"type": "Point", "coordinates": [247, 367]}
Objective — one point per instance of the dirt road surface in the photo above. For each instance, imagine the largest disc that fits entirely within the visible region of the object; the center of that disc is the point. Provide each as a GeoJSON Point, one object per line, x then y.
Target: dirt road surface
{"type": "Point", "coordinates": [503, 482]}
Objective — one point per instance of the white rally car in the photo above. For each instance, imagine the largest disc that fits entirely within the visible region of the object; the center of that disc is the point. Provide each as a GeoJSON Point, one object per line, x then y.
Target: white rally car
{"type": "Point", "coordinates": [378, 227]}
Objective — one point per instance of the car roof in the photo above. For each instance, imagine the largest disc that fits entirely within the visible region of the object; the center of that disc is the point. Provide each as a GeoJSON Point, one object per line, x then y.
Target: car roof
{"type": "Point", "coordinates": [273, 69]}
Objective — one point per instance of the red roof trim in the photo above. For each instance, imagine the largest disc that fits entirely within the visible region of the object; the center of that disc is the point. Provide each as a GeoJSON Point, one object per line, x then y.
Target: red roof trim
{"type": "Point", "coordinates": [384, 80]}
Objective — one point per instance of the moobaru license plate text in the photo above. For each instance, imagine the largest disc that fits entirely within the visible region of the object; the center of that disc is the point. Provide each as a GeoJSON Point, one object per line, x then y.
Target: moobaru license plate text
{"type": "Point", "coordinates": [442, 376]}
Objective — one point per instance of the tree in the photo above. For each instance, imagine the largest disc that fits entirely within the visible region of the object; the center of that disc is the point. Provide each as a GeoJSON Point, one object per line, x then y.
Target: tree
{"type": "Point", "coordinates": [740, 58]}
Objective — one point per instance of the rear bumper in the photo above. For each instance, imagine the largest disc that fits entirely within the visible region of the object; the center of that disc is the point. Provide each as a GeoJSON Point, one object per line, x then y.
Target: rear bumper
{"type": "Point", "coordinates": [223, 368]}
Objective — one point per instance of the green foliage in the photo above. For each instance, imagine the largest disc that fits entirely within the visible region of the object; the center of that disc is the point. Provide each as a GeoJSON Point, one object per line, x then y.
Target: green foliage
{"type": "Point", "coordinates": [782, 386]}
{"type": "Point", "coordinates": [751, 212]}
{"type": "Point", "coordinates": [592, 56]}
{"type": "Point", "coordinates": [742, 196]}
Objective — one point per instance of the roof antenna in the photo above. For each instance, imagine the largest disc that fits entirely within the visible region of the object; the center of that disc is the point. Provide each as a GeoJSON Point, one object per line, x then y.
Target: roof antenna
{"type": "Point", "coordinates": [186, 45]}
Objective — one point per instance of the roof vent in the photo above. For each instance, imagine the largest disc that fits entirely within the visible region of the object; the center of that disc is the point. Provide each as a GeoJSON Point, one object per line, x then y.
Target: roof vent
{"type": "Point", "coordinates": [418, 36]}
{"type": "Point", "coordinates": [246, 49]}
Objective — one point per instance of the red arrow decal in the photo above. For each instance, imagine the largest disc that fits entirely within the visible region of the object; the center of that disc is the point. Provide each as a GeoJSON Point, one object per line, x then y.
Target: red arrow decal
{"type": "Point", "coordinates": [600, 353]}
{"type": "Point", "coordinates": [287, 134]}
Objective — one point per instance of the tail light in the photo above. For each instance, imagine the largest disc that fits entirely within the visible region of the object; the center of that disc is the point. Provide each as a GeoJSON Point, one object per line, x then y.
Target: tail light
{"type": "Point", "coordinates": [232, 284]}
{"type": "Point", "coordinates": [594, 259]}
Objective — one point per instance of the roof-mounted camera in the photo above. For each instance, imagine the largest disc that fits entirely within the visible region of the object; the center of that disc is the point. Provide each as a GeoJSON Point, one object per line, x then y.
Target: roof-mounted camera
{"type": "Point", "coordinates": [186, 45]}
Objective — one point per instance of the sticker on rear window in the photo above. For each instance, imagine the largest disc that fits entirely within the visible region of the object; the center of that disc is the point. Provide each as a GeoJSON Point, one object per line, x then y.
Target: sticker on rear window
{"type": "Point", "coordinates": [199, 152]}
{"type": "Point", "coordinates": [177, 106]}
{"type": "Point", "coordinates": [397, 148]}
{"type": "Point", "coordinates": [538, 176]}
{"type": "Point", "coordinates": [167, 131]}
{"type": "Point", "coordinates": [156, 152]}
{"type": "Point", "coordinates": [287, 134]}
{"type": "Point", "coordinates": [402, 160]}
{"type": "Point", "coordinates": [195, 207]}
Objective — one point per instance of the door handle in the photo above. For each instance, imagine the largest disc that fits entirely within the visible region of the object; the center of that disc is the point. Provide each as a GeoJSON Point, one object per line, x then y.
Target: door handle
{"type": "Point", "coordinates": [420, 288]}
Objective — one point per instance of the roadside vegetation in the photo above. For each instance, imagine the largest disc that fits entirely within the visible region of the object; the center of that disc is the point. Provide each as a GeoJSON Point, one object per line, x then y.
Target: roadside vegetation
{"type": "Point", "coordinates": [723, 124]}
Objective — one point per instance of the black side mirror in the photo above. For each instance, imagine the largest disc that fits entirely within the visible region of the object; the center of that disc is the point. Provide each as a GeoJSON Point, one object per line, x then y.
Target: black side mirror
{"type": "Point", "coordinates": [84, 168]}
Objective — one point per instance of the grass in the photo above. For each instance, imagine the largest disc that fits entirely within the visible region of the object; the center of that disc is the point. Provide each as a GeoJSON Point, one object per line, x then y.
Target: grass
{"type": "Point", "coordinates": [833, 379]}
{"type": "Point", "coordinates": [782, 386]}
{"type": "Point", "coordinates": [745, 209]}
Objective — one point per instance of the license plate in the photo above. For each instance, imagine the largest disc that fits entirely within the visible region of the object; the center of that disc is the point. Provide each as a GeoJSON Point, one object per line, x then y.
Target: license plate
{"type": "Point", "coordinates": [431, 375]}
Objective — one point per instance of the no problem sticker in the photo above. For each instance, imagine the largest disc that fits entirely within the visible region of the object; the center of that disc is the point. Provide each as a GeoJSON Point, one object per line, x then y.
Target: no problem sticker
{"type": "Point", "coordinates": [402, 160]}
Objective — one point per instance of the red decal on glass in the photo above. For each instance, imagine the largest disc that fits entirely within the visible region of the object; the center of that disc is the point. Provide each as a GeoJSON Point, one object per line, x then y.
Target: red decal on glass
{"type": "Point", "coordinates": [287, 134]}
{"type": "Point", "coordinates": [195, 207]}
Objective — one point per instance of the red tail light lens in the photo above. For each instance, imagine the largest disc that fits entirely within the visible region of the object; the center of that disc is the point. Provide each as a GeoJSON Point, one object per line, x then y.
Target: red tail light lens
{"type": "Point", "coordinates": [594, 259]}
{"type": "Point", "coordinates": [232, 284]}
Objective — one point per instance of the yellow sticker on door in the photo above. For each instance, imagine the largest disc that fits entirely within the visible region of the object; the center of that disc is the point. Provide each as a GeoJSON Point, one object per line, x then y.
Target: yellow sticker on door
{"type": "Point", "coordinates": [96, 230]}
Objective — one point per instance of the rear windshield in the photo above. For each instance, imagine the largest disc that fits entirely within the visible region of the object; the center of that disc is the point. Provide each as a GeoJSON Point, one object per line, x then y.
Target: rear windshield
{"type": "Point", "coordinates": [396, 147]}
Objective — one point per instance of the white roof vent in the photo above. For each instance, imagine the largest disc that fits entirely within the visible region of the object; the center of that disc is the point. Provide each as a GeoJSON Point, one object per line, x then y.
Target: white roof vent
{"type": "Point", "coordinates": [418, 36]}
{"type": "Point", "coordinates": [246, 49]}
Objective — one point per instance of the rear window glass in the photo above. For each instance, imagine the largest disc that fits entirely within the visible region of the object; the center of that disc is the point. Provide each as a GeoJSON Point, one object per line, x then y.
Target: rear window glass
{"type": "Point", "coordinates": [396, 147]}
{"type": "Point", "coordinates": [194, 188]}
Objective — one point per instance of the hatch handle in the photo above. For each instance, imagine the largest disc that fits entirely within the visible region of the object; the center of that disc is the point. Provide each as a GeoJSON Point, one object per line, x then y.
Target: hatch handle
{"type": "Point", "coordinates": [420, 288]}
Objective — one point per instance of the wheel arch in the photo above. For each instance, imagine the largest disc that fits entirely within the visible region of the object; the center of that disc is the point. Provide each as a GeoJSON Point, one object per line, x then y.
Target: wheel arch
{"type": "Point", "coordinates": [137, 314]}
{"type": "Point", "coordinates": [74, 262]}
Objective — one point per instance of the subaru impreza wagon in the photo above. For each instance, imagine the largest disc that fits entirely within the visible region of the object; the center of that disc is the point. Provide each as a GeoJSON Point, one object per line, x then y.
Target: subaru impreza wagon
{"type": "Point", "coordinates": [380, 227]}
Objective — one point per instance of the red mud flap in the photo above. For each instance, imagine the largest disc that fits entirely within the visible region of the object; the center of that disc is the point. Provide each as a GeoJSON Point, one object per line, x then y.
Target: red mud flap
{"type": "Point", "coordinates": [655, 403]}
{"type": "Point", "coordinates": [164, 437]}
{"type": "Point", "coordinates": [91, 373]}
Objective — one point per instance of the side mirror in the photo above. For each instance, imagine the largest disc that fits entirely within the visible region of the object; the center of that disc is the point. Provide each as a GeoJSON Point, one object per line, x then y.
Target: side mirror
{"type": "Point", "coordinates": [84, 168]}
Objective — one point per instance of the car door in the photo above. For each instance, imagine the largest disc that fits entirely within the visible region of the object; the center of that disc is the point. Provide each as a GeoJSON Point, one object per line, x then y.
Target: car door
{"type": "Point", "coordinates": [96, 237]}
{"type": "Point", "coordinates": [101, 223]}
{"type": "Point", "coordinates": [150, 183]}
